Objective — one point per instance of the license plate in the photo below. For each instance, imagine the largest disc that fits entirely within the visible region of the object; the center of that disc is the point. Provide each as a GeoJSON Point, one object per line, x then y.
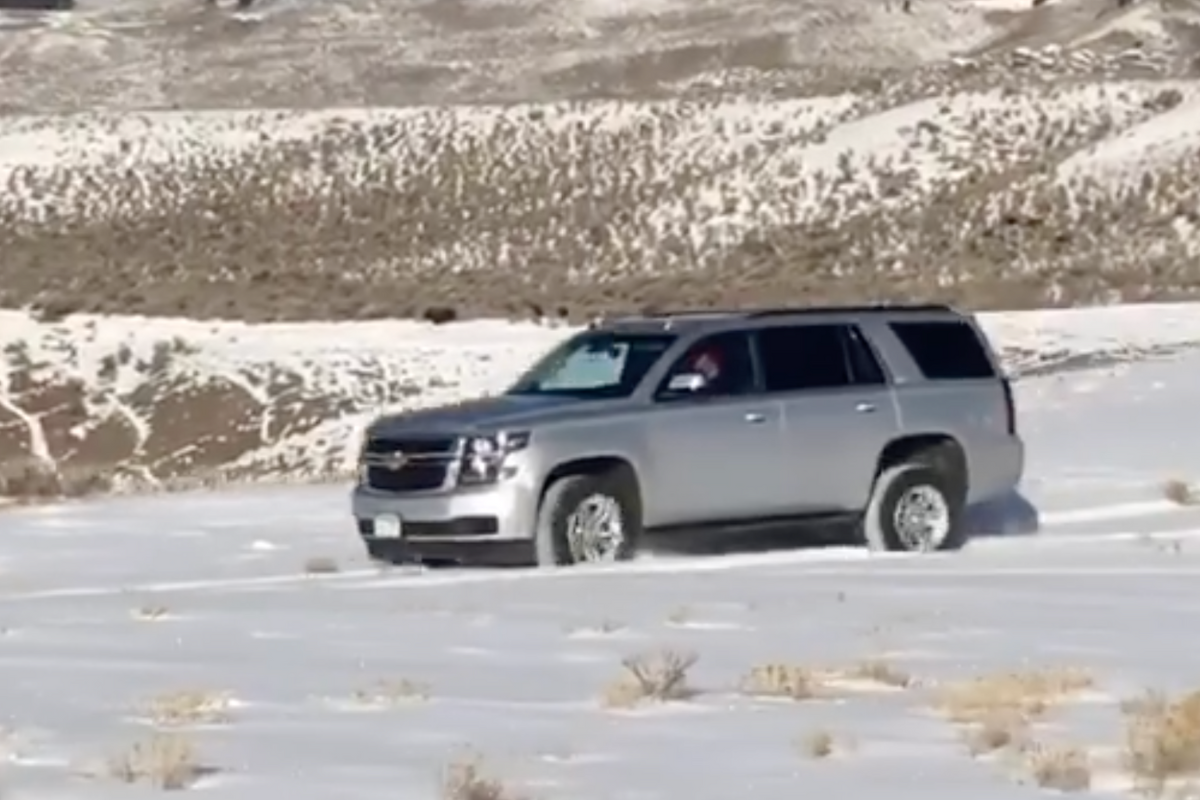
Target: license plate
{"type": "Point", "coordinates": [388, 526]}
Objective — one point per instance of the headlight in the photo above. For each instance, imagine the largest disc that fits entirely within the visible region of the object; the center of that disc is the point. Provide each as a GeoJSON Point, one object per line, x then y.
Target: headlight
{"type": "Point", "coordinates": [485, 457]}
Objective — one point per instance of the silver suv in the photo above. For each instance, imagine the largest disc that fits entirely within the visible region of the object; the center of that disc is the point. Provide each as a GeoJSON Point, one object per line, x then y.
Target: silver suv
{"type": "Point", "coordinates": [892, 419]}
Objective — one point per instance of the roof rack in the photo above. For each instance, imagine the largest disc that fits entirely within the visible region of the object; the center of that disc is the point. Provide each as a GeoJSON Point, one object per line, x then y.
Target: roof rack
{"type": "Point", "coordinates": [874, 308]}
{"type": "Point", "coordinates": [779, 311]}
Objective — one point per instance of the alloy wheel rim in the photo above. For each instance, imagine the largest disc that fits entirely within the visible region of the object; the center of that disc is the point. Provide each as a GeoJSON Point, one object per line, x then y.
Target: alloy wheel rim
{"type": "Point", "coordinates": [596, 530]}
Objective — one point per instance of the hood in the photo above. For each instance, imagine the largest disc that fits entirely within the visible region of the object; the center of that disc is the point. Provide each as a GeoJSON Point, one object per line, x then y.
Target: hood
{"type": "Point", "coordinates": [491, 414]}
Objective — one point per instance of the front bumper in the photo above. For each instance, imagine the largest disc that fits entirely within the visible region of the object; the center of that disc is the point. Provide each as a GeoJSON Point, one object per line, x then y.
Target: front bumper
{"type": "Point", "coordinates": [492, 524]}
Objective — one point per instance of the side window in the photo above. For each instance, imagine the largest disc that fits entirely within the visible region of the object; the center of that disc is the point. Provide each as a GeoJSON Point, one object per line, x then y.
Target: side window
{"type": "Point", "coordinates": [803, 357]}
{"type": "Point", "coordinates": [725, 362]}
{"type": "Point", "coordinates": [948, 350]}
{"type": "Point", "coordinates": [864, 363]}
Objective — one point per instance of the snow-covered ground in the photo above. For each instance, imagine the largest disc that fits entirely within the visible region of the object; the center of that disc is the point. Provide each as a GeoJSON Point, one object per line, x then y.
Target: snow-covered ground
{"type": "Point", "coordinates": [108, 607]}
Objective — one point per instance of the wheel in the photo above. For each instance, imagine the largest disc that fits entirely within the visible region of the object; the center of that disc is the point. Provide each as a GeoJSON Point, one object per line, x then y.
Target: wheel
{"type": "Point", "coordinates": [915, 507]}
{"type": "Point", "coordinates": [589, 518]}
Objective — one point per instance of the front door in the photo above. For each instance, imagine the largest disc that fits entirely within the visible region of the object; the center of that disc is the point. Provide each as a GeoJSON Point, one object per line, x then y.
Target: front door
{"type": "Point", "coordinates": [713, 451]}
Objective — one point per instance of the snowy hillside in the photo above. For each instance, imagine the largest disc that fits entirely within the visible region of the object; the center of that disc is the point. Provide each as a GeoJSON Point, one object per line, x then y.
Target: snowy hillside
{"type": "Point", "coordinates": [239, 644]}
{"type": "Point", "coordinates": [149, 402]}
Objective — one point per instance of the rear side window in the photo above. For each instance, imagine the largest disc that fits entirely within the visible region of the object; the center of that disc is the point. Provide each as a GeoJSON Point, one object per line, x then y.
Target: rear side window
{"type": "Point", "coordinates": [800, 357]}
{"type": "Point", "coordinates": [948, 350]}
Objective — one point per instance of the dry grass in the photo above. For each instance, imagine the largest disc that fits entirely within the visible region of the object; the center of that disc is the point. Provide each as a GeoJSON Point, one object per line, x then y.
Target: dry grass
{"type": "Point", "coordinates": [166, 761]}
{"type": "Point", "coordinates": [680, 616]}
{"type": "Point", "coordinates": [465, 779]}
{"type": "Point", "coordinates": [189, 707]}
{"type": "Point", "coordinates": [999, 730]}
{"type": "Point", "coordinates": [321, 565]}
{"type": "Point", "coordinates": [819, 744]}
{"type": "Point", "coordinates": [880, 671]}
{"type": "Point", "coordinates": [802, 682]}
{"type": "Point", "coordinates": [1062, 769]}
{"type": "Point", "coordinates": [1003, 698]}
{"type": "Point", "coordinates": [392, 693]}
{"type": "Point", "coordinates": [778, 679]}
{"type": "Point", "coordinates": [605, 627]}
{"type": "Point", "coordinates": [150, 613]}
{"type": "Point", "coordinates": [657, 677]}
{"type": "Point", "coordinates": [1162, 738]}
{"type": "Point", "coordinates": [1180, 492]}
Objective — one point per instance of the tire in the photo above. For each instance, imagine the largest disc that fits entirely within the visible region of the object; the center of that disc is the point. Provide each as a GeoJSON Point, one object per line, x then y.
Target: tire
{"type": "Point", "coordinates": [570, 494]}
{"type": "Point", "coordinates": [916, 480]}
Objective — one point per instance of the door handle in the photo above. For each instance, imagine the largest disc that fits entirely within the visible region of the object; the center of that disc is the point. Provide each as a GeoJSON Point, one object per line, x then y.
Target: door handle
{"type": "Point", "coordinates": [755, 417]}
{"type": "Point", "coordinates": [865, 408]}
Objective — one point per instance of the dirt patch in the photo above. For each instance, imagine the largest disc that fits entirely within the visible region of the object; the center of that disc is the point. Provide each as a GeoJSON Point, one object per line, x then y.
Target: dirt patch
{"type": "Point", "coordinates": [124, 404]}
{"type": "Point", "coordinates": [60, 436]}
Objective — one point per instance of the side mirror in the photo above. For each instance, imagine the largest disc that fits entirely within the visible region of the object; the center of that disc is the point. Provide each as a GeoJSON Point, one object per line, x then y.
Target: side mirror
{"type": "Point", "coordinates": [686, 382]}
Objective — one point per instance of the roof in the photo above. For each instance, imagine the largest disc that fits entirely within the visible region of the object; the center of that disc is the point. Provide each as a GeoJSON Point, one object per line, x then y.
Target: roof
{"type": "Point", "coordinates": [690, 318]}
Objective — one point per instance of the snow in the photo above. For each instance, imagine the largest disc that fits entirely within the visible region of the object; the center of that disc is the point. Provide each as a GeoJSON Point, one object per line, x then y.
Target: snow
{"type": "Point", "coordinates": [1143, 148]}
{"type": "Point", "coordinates": [106, 605]}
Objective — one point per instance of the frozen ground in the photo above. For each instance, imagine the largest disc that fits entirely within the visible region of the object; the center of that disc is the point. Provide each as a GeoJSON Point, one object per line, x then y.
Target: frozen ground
{"type": "Point", "coordinates": [513, 661]}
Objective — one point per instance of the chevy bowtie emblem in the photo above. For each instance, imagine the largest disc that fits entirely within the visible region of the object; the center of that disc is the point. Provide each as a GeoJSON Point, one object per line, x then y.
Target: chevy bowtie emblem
{"type": "Point", "coordinates": [394, 461]}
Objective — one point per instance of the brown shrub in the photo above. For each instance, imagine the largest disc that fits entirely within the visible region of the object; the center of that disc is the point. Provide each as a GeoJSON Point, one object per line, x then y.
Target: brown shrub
{"type": "Point", "coordinates": [777, 679]}
{"type": "Point", "coordinates": [1063, 769]}
{"type": "Point", "coordinates": [1001, 697]}
{"type": "Point", "coordinates": [189, 707]}
{"type": "Point", "coordinates": [1162, 738]}
{"type": "Point", "coordinates": [819, 744]}
{"type": "Point", "coordinates": [879, 671]}
{"type": "Point", "coordinates": [392, 693]}
{"type": "Point", "coordinates": [996, 731]}
{"type": "Point", "coordinates": [1180, 492]}
{"type": "Point", "coordinates": [165, 761]}
{"type": "Point", "coordinates": [659, 676]}
{"type": "Point", "coordinates": [465, 779]}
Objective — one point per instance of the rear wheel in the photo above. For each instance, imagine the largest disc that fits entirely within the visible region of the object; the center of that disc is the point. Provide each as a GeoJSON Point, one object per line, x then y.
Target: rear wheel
{"type": "Point", "coordinates": [589, 518]}
{"type": "Point", "coordinates": [915, 507]}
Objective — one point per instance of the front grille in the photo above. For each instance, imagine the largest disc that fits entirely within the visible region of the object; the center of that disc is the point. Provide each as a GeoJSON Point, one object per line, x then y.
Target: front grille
{"type": "Point", "coordinates": [412, 478]}
{"type": "Point", "coordinates": [413, 446]}
{"type": "Point", "coordinates": [426, 465]}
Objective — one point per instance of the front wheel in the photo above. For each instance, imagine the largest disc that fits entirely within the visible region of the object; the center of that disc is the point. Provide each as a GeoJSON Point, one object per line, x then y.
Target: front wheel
{"type": "Point", "coordinates": [914, 509]}
{"type": "Point", "coordinates": [590, 518]}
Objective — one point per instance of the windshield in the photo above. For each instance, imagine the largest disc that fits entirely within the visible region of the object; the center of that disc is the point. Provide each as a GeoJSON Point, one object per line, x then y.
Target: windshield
{"type": "Point", "coordinates": [595, 364]}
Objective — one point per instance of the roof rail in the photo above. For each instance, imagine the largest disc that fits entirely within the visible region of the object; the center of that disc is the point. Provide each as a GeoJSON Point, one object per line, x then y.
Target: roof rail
{"type": "Point", "coordinates": [780, 311]}
{"type": "Point", "coordinates": [874, 308]}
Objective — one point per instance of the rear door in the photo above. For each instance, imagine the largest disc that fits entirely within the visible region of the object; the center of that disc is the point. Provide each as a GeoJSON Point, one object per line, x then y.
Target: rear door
{"type": "Point", "coordinates": [838, 412]}
{"type": "Point", "coordinates": [714, 454]}
{"type": "Point", "coordinates": [958, 389]}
